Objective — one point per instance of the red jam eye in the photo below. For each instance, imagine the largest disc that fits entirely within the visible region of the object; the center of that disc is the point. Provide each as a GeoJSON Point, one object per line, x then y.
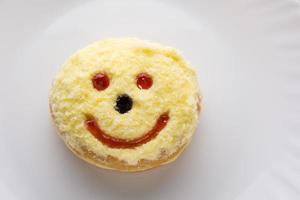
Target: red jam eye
{"type": "Point", "coordinates": [100, 81]}
{"type": "Point", "coordinates": [144, 81]}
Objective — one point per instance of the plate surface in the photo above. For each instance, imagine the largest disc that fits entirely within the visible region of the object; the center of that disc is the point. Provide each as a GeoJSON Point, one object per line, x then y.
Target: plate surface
{"type": "Point", "coordinates": [247, 56]}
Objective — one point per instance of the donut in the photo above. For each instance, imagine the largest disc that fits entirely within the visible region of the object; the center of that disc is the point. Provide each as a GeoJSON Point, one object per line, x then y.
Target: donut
{"type": "Point", "coordinates": [126, 104]}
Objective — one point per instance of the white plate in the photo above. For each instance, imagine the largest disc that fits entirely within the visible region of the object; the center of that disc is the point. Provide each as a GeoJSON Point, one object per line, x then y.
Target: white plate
{"type": "Point", "coordinates": [247, 55]}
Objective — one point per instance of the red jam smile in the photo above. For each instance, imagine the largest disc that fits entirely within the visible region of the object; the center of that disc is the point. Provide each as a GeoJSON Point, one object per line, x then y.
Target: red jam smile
{"type": "Point", "coordinates": [112, 142]}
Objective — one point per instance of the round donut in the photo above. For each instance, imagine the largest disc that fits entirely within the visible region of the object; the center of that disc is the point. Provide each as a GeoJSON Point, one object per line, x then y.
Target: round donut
{"type": "Point", "coordinates": [126, 104]}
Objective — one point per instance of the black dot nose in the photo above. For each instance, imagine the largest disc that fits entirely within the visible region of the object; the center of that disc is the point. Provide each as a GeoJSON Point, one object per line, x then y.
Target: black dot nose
{"type": "Point", "coordinates": [123, 103]}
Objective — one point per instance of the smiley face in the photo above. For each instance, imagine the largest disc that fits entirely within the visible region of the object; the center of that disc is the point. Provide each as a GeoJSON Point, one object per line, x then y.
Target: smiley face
{"type": "Point", "coordinates": [123, 105]}
{"type": "Point", "coordinates": [126, 104]}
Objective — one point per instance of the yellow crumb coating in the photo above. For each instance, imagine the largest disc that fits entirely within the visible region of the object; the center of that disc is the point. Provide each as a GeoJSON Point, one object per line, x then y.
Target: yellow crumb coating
{"type": "Point", "coordinates": [174, 90]}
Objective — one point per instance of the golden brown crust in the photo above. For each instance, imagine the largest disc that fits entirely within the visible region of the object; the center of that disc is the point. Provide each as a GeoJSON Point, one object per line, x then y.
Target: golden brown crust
{"type": "Point", "coordinates": [113, 163]}
{"type": "Point", "coordinates": [198, 103]}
